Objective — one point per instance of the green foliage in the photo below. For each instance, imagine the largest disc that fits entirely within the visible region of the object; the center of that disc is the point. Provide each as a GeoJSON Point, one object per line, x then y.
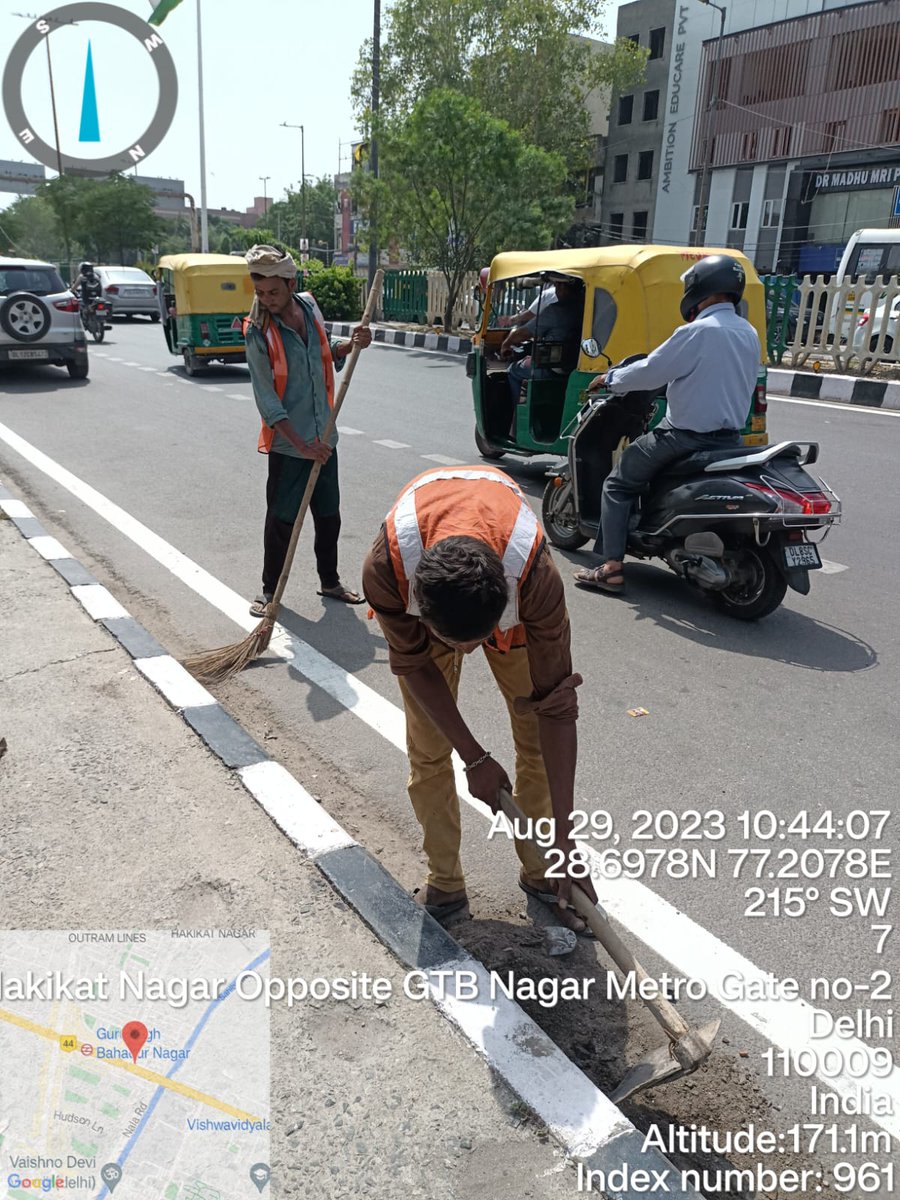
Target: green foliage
{"type": "Point", "coordinates": [517, 58]}
{"type": "Point", "coordinates": [458, 184]}
{"type": "Point", "coordinates": [286, 216]}
{"type": "Point", "coordinates": [336, 290]}
{"type": "Point", "coordinates": [32, 230]}
{"type": "Point", "coordinates": [110, 219]}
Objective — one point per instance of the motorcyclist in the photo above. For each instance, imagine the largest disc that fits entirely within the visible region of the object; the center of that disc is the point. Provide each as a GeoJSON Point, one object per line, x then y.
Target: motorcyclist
{"type": "Point", "coordinates": [710, 366]}
{"type": "Point", "coordinates": [87, 286]}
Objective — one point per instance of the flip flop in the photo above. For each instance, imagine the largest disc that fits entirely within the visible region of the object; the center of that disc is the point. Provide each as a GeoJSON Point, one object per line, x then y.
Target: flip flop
{"type": "Point", "coordinates": [550, 899]}
{"type": "Point", "coordinates": [341, 593]}
{"type": "Point", "coordinates": [260, 605]}
{"type": "Point", "coordinates": [599, 580]}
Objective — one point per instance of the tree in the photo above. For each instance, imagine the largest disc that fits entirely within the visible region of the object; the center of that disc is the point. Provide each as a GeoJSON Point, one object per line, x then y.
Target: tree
{"type": "Point", "coordinates": [527, 62]}
{"type": "Point", "coordinates": [287, 215]}
{"type": "Point", "coordinates": [111, 218]}
{"type": "Point", "coordinates": [458, 184]}
{"type": "Point", "coordinates": [32, 229]}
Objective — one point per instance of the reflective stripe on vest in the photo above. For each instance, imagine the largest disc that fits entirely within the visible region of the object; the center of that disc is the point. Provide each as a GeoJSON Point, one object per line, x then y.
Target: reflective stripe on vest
{"type": "Point", "coordinates": [278, 363]}
{"type": "Point", "coordinates": [516, 549]}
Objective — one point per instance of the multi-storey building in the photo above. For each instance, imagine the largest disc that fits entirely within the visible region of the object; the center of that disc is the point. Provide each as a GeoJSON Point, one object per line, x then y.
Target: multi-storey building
{"type": "Point", "coordinates": [794, 114]}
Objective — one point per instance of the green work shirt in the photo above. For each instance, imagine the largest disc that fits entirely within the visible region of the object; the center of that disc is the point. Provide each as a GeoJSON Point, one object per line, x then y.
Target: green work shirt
{"type": "Point", "coordinates": [305, 402]}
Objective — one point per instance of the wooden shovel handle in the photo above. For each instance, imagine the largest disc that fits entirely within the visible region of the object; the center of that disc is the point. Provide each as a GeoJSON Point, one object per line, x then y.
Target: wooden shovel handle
{"type": "Point", "coordinates": [667, 1016]}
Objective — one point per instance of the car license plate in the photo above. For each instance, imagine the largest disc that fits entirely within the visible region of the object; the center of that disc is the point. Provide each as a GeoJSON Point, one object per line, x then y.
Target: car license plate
{"type": "Point", "coordinates": [802, 555]}
{"type": "Point", "coordinates": [19, 354]}
{"type": "Point", "coordinates": [134, 291]}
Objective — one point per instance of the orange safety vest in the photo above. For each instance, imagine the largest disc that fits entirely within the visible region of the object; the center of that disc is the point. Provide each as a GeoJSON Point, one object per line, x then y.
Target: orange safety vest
{"type": "Point", "coordinates": [478, 502]}
{"type": "Point", "coordinates": [278, 362]}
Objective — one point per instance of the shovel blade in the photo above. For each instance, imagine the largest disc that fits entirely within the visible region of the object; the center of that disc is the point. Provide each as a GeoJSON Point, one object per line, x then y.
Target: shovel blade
{"type": "Point", "coordinates": [660, 1066]}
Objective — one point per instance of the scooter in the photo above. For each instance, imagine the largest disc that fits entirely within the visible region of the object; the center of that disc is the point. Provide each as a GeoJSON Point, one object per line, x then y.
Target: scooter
{"type": "Point", "coordinates": [734, 523]}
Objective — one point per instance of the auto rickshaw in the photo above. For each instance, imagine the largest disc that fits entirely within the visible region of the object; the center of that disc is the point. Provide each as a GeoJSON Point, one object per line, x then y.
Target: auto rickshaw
{"type": "Point", "coordinates": [630, 305]}
{"type": "Point", "coordinates": [203, 300]}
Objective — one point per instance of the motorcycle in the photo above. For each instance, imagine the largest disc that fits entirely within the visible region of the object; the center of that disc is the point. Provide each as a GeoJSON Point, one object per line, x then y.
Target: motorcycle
{"type": "Point", "coordinates": [94, 318]}
{"type": "Point", "coordinates": [733, 523]}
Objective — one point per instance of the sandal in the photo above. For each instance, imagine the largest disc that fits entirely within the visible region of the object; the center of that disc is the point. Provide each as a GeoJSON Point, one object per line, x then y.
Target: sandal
{"type": "Point", "coordinates": [339, 592]}
{"type": "Point", "coordinates": [601, 579]}
{"type": "Point", "coordinates": [549, 898]}
{"type": "Point", "coordinates": [260, 605]}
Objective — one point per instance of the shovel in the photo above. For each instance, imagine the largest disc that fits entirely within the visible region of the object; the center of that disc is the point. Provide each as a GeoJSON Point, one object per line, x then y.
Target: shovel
{"type": "Point", "coordinates": [687, 1049]}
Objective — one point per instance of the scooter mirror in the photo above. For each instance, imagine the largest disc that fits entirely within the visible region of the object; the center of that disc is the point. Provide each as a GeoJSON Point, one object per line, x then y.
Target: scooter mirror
{"type": "Point", "coordinates": [590, 348]}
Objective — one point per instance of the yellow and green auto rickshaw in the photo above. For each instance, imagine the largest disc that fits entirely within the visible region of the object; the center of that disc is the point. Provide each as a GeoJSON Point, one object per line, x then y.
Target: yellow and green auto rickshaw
{"type": "Point", "coordinates": [630, 297]}
{"type": "Point", "coordinates": [203, 300]}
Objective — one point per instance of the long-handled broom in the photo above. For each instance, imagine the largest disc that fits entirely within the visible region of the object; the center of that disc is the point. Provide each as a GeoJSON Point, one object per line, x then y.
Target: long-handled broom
{"type": "Point", "coordinates": [214, 666]}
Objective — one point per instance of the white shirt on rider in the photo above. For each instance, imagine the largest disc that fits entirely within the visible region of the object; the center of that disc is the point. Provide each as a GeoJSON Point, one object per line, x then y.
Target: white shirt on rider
{"type": "Point", "coordinates": [710, 366]}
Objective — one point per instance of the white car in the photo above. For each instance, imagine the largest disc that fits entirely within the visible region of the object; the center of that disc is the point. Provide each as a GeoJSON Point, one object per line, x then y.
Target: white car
{"type": "Point", "coordinates": [129, 292]}
{"type": "Point", "coordinates": [868, 331]}
{"type": "Point", "coordinates": [39, 318]}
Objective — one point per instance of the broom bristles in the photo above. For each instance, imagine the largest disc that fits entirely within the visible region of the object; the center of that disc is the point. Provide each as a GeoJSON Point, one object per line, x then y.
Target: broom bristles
{"type": "Point", "coordinates": [215, 666]}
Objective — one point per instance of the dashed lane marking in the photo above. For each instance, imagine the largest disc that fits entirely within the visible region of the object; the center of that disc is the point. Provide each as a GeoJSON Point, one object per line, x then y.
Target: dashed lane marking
{"type": "Point", "coordinates": [444, 460]}
{"type": "Point", "coordinates": [392, 445]}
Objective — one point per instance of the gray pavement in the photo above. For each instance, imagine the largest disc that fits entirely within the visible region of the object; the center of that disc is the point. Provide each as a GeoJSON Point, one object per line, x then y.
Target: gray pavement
{"type": "Point", "coordinates": [114, 815]}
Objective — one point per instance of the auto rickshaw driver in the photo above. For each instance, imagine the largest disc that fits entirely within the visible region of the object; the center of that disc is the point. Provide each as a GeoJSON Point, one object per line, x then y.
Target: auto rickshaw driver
{"type": "Point", "coordinates": [559, 322]}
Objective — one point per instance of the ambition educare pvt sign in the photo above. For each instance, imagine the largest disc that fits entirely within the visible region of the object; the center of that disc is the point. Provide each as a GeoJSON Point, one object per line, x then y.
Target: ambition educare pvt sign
{"type": "Point", "coordinates": [148, 41]}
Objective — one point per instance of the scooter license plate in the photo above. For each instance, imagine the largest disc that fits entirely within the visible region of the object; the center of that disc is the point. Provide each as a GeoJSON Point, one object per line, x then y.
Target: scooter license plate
{"type": "Point", "coordinates": [802, 555]}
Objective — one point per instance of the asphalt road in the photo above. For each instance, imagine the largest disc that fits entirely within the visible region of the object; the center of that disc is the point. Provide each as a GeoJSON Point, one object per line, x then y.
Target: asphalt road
{"type": "Point", "coordinates": [797, 712]}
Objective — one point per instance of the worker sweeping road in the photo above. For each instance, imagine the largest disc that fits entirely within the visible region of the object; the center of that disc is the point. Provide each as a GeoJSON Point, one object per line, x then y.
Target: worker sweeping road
{"type": "Point", "coordinates": [292, 364]}
{"type": "Point", "coordinates": [461, 562]}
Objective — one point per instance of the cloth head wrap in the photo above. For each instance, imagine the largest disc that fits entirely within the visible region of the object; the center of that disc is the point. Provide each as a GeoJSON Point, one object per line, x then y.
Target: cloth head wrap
{"type": "Point", "coordinates": [268, 261]}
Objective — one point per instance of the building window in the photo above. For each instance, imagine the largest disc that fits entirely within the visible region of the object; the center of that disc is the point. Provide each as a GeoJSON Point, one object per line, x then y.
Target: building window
{"type": "Point", "coordinates": [626, 109]}
{"type": "Point", "coordinates": [781, 143]}
{"type": "Point", "coordinates": [739, 212]}
{"type": "Point", "coordinates": [639, 226]}
{"type": "Point", "coordinates": [651, 105]}
{"type": "Point", "coordinates": [835, 138]}
{"type": "Point", "coordinates": [749, 145]}
{"type": "Point", "coordinates": [634, 37]}
{"type": "Point", "coordinates": [645, 164]}
{"type": "Point", "coordinates": [890, 126]}
{"type": "Point", "coordinates": [620, 168]}
{"type": "Point", "coordinates": [616, 226]}
{"type": "Point", "coordinates": [657, 42]}
{"type": "Point", "coordinates": [694, 212]}
{"type": "Point", "coordinates": [771, 214]}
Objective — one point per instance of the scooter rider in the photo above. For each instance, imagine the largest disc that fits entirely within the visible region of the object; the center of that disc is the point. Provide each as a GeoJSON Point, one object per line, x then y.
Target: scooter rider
{"type": "Point", "coordinates": [711, 366]}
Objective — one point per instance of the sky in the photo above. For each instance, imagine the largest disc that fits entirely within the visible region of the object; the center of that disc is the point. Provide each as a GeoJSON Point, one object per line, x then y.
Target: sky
{"type": "Point", "coordinates": [264, 62]}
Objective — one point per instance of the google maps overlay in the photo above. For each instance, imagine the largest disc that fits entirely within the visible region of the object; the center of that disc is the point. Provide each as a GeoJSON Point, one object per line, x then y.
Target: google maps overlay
{"type": "Point", "coordinates": [134, 1065]}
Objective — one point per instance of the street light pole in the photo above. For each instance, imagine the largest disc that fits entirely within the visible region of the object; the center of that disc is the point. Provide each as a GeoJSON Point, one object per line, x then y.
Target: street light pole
{"type": "Point", "coordinates": [285, 124]}
{"type": "Point", "coordinates": [373, 141]}
{"type": "Point", "coordinates": [264, 179]}
{"type": "Point", "coordinates": [204, 215]}
{"type": "Point", "coordinates": [710, 126]}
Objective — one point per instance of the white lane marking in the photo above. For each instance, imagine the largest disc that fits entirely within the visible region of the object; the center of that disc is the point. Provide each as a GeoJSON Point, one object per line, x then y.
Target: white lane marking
{"type": "Point", "coordinates": [236, 396]}
{"type": "Point", "coordinates": [580, 1115]}
{"type": "Point", "coordinates": [153, 369]}
{"type": "Point", "coordinates": [16, 508]}
{"type": "Point", "coordinates": [132, 364]}
{"type": "Point", "coordinates": [163, 374]}
{"type": "Point", "coordinates": [391, 445]}
{"type": "Point", "coordinates": [98, 602]}
{"type": "Point", "coordinates": [111, 359]}
{"type": "Point", "coordinates": [444, 460]}
{"type": "Point", "coordinates": [293, 809]}
{"type": "Point", "coordinates": [209, 387]}
{"type": "Point", "coordinates": [49, 548]}
{"type": "Point", "coordinates": [832, 568]}
{"type": "Point", "coordinates": [99, 354]}
{"type": "Point", "coordinates": [348, 429]}
{"type": "Point", "coordinates": [854, 408]}
{"type": "Point", "coordinates": [177, 685]}
{"type": "Point", "coordinates": [690, 948]}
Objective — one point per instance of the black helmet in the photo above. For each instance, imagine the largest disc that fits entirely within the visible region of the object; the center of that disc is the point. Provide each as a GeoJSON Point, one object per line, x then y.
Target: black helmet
{"type": "Point", "coordinates": [719, 273]}
{"type": "Point", "coordinates": [85, 268]}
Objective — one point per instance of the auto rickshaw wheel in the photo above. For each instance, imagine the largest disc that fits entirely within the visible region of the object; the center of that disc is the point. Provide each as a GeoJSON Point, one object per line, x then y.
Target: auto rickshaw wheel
{"type": "Point", "coordinates": [154, 317]}
{"type": "Point", "coordinates": [485, 449]}
{"type": "Point", "coordinates": [192, 364]}
{"type": "Point", "coordinates": [559, 516]}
